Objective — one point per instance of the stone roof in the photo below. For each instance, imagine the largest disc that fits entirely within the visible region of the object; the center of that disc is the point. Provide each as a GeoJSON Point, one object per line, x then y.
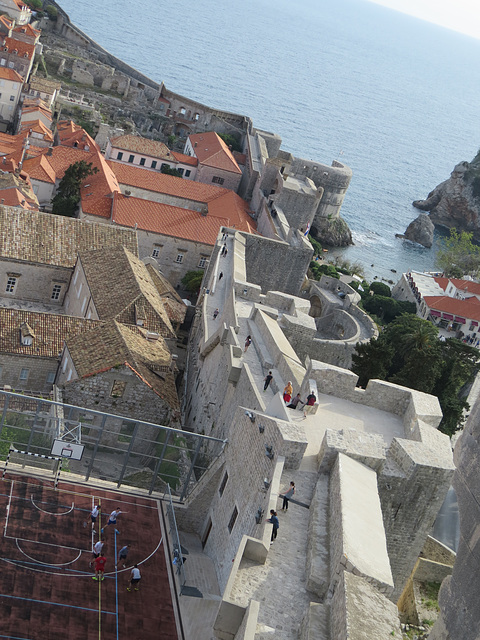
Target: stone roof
{"type": "Point", "coordinates": [162, 183]}
{"type": "Point", "coordinates": [212, 151]}
{"type": "Point", "coordinates": [44, 86]}
{"type": "Point", "coordinates": [175, 307]}
{"type": "Point", "coordinates": [112, 344]}
{"type": "Point", "coordinates": [47, 239]}
{"type": "Point", "coordinates": [121, 288]}
{"type": "Point", "coordinates": [137, 144]}
{"type": "Point", "coordinates": [49, 331]}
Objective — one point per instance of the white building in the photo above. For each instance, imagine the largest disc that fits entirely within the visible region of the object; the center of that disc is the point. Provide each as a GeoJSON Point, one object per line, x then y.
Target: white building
{"type": "Point", "coordinates": [17, 10]}
{"type": "Point", "coordinates": [10, 87]}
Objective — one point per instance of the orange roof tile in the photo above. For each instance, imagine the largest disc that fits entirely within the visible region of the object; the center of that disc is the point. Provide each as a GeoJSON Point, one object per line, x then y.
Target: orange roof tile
{"type": "Point", "coordinates": [465, 285]}
{"type": "Point", "coordinates": [212, 151]}
{"type": "Point", "coordinates": [184, 159]}
{"type": "Point", "coordinates": [37, 126]}
{"type": "Point", "coordinates": [63, 157]}
{"type": "Point", "coordinates": [234, 209]}
{"type": "Point", "coordinates": [137, 144]}
{"type": "Point", "coordinates": [10, 74]}
{"type": "Point", "coordinates": [23, 49]}
{"type": "Point", "coordinates": [166, 220]}
{"type": "Point", "coordinates": [72, 135]}
{"type": "Point", "coordinates": [12, 197]}
{"type": "Point", "coordinates": [22, 6]}
{"type": "Point", "coordinates": [29, 30]}
{"type": "Point", "coordinates": [163, 183]}
{"type": "Point", "coordinates": [467, 309]}
{"type": "Point", "coordinates": [5, 20]}
{"type": "Point", "coordinates": [36, 109]}
{"type": "Point", "coordinates": [39, 168]}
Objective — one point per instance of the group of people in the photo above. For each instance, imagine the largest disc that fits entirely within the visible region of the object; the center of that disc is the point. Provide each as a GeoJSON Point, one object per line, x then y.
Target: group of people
{"type": "Point", "coordinates": [99, 559]}
{"type": "Point", "coordinates": [292, 403]}
{"type": "Point", "coordinates": [287, 495]}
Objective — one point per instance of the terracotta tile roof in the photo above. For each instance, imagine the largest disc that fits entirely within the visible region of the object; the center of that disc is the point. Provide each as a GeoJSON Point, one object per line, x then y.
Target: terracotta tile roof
{"type": "Point", "coordinates": [468, 309]}
{"type": "Point", "coordinates": [20, 183]}
{"type": "Point", "coordinates": [121, 287]}
{"type": "Point", "coordinates": [22, 6]}
{"type": "Point", "coordinates": [37, 126]}
{"type": "Point", "coordinates": [40, 169]}
{"type": "Point", "coordinates": [10, 74]}
{"type": "Point", "coordinates": [162, 183]}
{"type": "Point", "coordinates": [137, 144]}
{"type": "Point", "coordinates": [12, 197]}
{"type": "Point", "coordinates": [36, 102]}
{"type": "Point", "coordinates": [23, 49]}
{"type": "Point", "coordinates": [166, 220]}
{"type": "Point", "coordinates": [72, 135]}
{"type": "Point", "coordinates": [62, 157]}
{"type": "Point", "coordinates": [212, 151]}
{"type": "Point", "coordinates": [112, 345]}
{"type": "Point", "coordinates": [29, 30]}
{"type": "Point", "coordinates": [184, 159]}
{"type": "Point", "coordinates": [50, 330]}
{"type": "Point", "coordinates": [234, 209]}
{"type": "Point", "coordinates": [47, 239]}
{"type": "Point", "coordinates": [240, 158]}
{"type": "Point", "coordinates": [463, 285]}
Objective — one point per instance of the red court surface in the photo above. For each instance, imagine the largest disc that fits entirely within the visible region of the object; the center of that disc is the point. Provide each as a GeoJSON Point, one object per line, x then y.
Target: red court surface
{"type": "Point", "coordinates": [46, 586]}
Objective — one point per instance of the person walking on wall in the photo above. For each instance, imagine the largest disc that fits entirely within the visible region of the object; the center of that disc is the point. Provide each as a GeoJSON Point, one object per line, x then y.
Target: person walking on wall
{"type": "Point", "coordinates": [275, 524]}
{"type": "Point", "coordinates": [221, 275]}
{"type": "Point", "coordinates": [224, 250]}
{"type": "Point", "coordinates": [248, 342]}
{"type": "Point", "coordinates": [287, 392]}
{"type": "Point", "coordinates": [289, 493]}
{"type": "Point", "coordinates": [215, 313]}
{"type": "Point", "coordinates": [135, 578]}
{"type": "Point", "coordinates": [268, 378]}
{"type": "Point", "coordinates": [308, 408]}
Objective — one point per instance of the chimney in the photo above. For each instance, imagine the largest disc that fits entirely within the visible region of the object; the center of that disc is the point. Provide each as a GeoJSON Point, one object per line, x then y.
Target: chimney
{"type": "Point", "coordinates": [50, 151]}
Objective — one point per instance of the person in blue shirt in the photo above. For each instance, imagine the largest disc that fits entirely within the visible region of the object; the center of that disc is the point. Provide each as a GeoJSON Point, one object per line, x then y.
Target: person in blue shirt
{"type": "Point", "coordinates": [274, 521]}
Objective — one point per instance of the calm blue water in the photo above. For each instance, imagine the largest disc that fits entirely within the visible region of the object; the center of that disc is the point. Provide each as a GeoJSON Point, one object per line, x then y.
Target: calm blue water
{"type": "Point", "coordinates": [393, 97]}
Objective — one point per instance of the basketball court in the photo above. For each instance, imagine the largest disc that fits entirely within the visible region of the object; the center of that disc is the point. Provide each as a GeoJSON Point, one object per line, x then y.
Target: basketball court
{"type": "Point", "coordinates": [46, 586]}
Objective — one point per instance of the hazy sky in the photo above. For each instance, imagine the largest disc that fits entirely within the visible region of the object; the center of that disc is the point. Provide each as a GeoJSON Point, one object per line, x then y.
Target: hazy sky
{"type": "Point", "coordinates": [459, 15]}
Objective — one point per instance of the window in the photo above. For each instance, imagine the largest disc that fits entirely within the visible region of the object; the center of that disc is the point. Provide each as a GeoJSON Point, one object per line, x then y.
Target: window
{"type": "Point", "coordinates": [3, 62]}
{"type": "Point", "coordinates": [187, 173]}
{"type": "Point", "coordinates": [142, 162]}
{"type": "Point", "coordinates": [182, 111]}
{"type": "Point", "coordinates": [119, 155]}
{"type": "Point", "coordinates": [118, 388]}
{"type": "Point", "coordinates": [131, 158]}
{"type": "Point", "coordinates": [24, 374]}
{"type": "Point", "coordinates": [231, 524]}
{"type": "Point", "coordinates": [10, 65]}
{"type": "Point", "coordinates": [57, 288]}
{"type": "Point", "coordinates": [12, 98]}
{"type": "Point", "coordinates": [180, 172]}
{"type": "Point", "coordinates": [11, 284]}
{"type": "Point", "coordinates": [51, 377]}
{"type": "Point", "coordinates": [155, 252]}
{"type": "Point", "coordinates": [154, 164]}
{"type": "Point", "coordinates": [202, 263]}
{"type": "Point", "coordinates": [197, 116]}
{"type": "Point", "coordinates": [218, 180]}
{"type": "Point", "coordinates": [179, 258]}
{"type": "Point", "coordinates": [224, 482]}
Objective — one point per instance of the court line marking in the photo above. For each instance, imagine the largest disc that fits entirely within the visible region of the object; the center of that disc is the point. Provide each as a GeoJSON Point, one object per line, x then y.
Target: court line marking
{"type": "Point", "coordinates": [50, 544]}
{"type": "Point", "coordinates": [14, 638]}
{"type": "Point", "coordinates": [49, 512]}
{"type": "Point", "coordinates": [55, 604]}
{"type": "Point", "coordinates": [79, 574]}
{"type": "Point", "coordinates": [51, 564]}
{"type": "Point", "coordinates": [8, 510]}
{"type": "Point", "coordinates": [23, 563]}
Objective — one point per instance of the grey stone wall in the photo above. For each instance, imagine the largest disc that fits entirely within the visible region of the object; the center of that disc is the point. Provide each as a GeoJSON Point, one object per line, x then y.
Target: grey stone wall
{"type": "Point", "coordinates": [38, 371]}
{"type": "Point", "coordinates": [275, 265]}
{"type": "Point", "coordinates": [34, 282]}
{"type": "Point", "coordinates": [230, 180]}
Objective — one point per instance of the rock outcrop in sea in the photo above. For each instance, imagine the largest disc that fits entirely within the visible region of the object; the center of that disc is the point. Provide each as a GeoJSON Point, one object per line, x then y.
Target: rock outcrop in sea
{"type": "Point", "coordinates": [420, 231]}
{"type": "Point", "coordinates": [456, 202]}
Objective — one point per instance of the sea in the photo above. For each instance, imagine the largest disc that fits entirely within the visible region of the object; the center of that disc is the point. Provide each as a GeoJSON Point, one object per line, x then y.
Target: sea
{"type": "Point", "coordinates": [393, 97]}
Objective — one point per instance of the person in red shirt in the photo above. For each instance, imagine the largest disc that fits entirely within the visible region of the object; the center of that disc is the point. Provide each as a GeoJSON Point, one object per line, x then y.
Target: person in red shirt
{"type": "Point", "coordinates": [99, 564]}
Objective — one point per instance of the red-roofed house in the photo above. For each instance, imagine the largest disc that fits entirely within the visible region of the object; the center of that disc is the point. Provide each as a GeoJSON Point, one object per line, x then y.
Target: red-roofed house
{"type": "Point", "coordinates": [216, 163]}
{"type": "Point", "coordinates": [10, 87]}
{"type": "Point", "coordinates": [26, 33]}
{"type": "Point", "coordinates": [18, 55]}
{"type": "Point", "coordinates": [35, 109]}
{"type": "Point", "coordinates": [70, 134]}
{"type": "Point", "coordinates": [42, 177]}
{"type": "Point", "coordinates": [39, 134]}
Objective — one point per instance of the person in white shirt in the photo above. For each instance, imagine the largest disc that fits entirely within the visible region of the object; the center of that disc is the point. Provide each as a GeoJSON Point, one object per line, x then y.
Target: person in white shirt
{"type": "Point", "coordinates": [135, 578]}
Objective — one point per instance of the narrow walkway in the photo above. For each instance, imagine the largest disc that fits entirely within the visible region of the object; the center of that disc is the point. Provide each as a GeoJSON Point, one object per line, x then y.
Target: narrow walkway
{"type": "Point", "coordinates": [283, 602]}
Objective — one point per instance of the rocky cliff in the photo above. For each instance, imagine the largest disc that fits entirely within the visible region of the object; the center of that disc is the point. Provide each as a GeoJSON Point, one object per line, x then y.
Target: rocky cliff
{"type": "Point", "coordinates": [456, 202]}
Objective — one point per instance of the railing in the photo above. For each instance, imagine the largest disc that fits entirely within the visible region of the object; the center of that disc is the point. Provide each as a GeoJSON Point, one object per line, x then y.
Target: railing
{"type": "Point", "coordinates": [118, 449]}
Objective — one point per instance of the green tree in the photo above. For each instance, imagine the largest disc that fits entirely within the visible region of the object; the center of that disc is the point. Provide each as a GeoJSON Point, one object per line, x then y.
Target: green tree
{"type": "Point", "coordinates": [167, 169]}
{"type": "Point", "coordinates": [192, 281]}
{"type": "Point", "coordinates": [458, 255]}
{"type": "Point", "coordinates": [65, 202]}
{"type": "Point", "coordinates": [52, 12]}
{"type": "Point", "coordinates": [231, 141]}
{"type": "Point", "coordinates": [381, 289]}
{"type": "Point", "coordinates": [408, 352]}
